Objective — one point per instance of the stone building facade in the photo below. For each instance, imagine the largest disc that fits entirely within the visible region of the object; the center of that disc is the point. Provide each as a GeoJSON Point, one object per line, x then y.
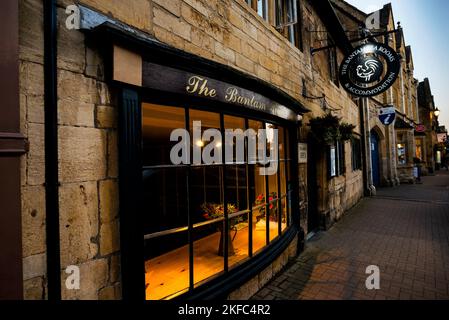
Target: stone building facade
{"type": "Point", "coordinates": [427, 116]}
{"type": "Point", "coordinates": [394, 162]}
{"type": "Point", "coordinates": [230, 35]}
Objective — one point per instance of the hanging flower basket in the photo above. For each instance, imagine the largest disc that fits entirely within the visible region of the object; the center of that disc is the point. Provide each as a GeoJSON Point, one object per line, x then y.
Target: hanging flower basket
{"type": "Point", "coordinates": [328, 129]}
{"type": "Point", "coordinates": [346, 131]}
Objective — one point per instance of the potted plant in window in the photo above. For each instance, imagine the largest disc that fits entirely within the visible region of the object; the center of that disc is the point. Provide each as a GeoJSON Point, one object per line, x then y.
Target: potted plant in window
{"type": "Point", "coordinates": [212, 211]}
{"type": "Point", "coordinates": [260, 214]}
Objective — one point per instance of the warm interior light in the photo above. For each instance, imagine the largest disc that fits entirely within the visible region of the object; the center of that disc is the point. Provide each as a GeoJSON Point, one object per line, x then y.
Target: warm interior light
{"type": "Point", "coordinates": [218, 145]}
{"type": "Point", "coordinates": [200, 143]}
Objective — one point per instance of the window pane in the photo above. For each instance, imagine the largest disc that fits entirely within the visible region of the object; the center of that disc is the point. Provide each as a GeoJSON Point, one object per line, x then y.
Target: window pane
{"type": "Point", "coordinates": [165, 208]}
{"type": "Point", "coordinates": [206, 198]}
{"type": "Point", "coordinates": [205, 188]}
{"type": "Point", "coordinates": [157, 124]}
{"type": "Point", "coordinates": [167, 267]}
{"type": "Point", "coordinates": [164, 199]}
{"type": "Point", "coordinates": [402, 157]}
{"type": "Point", "coordinates": [236, 193]}
{"type": "Point", "coordinates": [235, 140]}
{"type": "Point", "coordinates": [273, 207]}
{"type": "Point", "coordinates": [208, 248]}
{"type": "Point", "coordinates": [236, 186]}
{"type": "Point", "coordinates": [209, 120]}
{"type": "Point", "coordinates": [258, 191]}
{"type": "Point", "coordinates": [262, 8]}
{"type": "Point", "coordinates": [239, 239]}
{"type": "Point", "coordinates": [283, 184]}
{"type": "Point", "coordinates": [291, 34]}
{"type": "Point", "coordinates": [289, 193]}
{"type": "Point", "coordinates": [253, 151]}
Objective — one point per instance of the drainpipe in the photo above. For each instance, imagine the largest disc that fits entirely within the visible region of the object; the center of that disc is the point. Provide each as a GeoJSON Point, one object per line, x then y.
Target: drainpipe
{"type": "Point", "coordinates": [51, 151]}
{"type": "Point", "coordinates": [365, 149]}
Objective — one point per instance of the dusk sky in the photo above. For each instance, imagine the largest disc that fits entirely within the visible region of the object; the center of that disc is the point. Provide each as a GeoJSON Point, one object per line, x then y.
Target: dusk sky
{"type": "Point", "coordinates": [426, 30]}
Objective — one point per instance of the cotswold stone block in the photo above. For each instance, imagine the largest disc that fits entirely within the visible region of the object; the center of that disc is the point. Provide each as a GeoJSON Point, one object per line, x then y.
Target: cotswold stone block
{"type": "Point", "coordinates": [114, 272]}
{"type": "Point", "coordinates": [109, 238]}
{"type": "Point", "coordinates": [136, 13]}
{"type": "Point", "coordinates": [244, 63]}
{"type": "Point", "coordinates": [112, 154]}
{"type": "Point", "coordinates": [199, 6]}
{"type": "Point", "coordinates": [280, 262]}
{"type": "Point", "coordinates": [246, 291]}
{"type": "Point", "coordinates": [94, 63]}
{"type": "Point", "coordinates": [78, 222]}
{"type": "Point", "coordinates": [108, 200]}
{"type": "Point", "coordinates": [174, 7]}
{"type": "Point", "coordinates": [72, 113]}
{"type": "Point", "coordinates": [82, 154]}
{"type": "Point", "coordinates": [76, 87]}
{"type": "Point", "coordinates": [232, 42]}
{"type": "Point", "coordinates": [236, 19]}
{"type": "Point", "coordinates": [202, 40]}
{"type": "Point", "coordinates": [35, 108]}
{"type": "Point", "coordinates": [34, 266]}
{"type": "Point", "coordinates": [106, 117]}
{"type": "Point", "coordinates": [93, 276]}
{"type": "Point", "coordinates": [71, 48]}
{"type": "Point", "coordinates": [33, 220]}
{"type": "Point", "coordinates": [110, 293]}
{"type": "Point", "coordinates": [107, 293]}
{"type": "Point", "coordinates": [36, 154]}
{"type": "Point", "coordinates": [31, 78]}
{"type": "Point", "coordinates": [23, 114]}
{"type": "Point", "coordinates": [265, 276]}
{"type": "Point", "coordinates": [34, 289]}
{"type": "Point", "coordinates": [172, 23]}
{"type": "Point", "coordinates": [31, 27]}
{"type": "Point", "coordinates": [224, 52]}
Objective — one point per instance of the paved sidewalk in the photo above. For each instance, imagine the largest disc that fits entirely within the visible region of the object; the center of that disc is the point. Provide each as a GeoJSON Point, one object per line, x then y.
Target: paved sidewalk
{"type": "Point", "coordinates": [404, 231]}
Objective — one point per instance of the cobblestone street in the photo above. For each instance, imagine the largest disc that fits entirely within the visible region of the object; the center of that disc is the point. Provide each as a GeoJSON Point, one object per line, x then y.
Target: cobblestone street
{"type": "Point", "coordinates": [403, 230]}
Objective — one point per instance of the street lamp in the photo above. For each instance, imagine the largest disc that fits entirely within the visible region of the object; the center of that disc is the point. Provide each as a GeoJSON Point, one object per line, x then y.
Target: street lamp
{"type": "Point", "coordinates": [436, 112]}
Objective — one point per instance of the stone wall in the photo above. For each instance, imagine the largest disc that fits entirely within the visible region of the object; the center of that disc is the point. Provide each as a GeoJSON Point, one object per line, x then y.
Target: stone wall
{"type": "Point", "coordinates": [226, 31]}
{"type": "Point", "coordinates": [87, 162]}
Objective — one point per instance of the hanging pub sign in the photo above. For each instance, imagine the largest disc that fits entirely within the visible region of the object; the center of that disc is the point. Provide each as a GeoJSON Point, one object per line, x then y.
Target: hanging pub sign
{"type": "Point", "coordinates": [370, 69]}
{"type": "Point", "coordinates": [441, 137]}
{"type": "Point", "coordinates": [420, 128]}
{"type": "Point", "coordinates": [387, 115]}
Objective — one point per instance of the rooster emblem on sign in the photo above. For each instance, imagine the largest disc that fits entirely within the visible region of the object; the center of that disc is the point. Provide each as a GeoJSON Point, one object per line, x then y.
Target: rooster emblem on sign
{"type": "Point", "coordinates": [368, 69]}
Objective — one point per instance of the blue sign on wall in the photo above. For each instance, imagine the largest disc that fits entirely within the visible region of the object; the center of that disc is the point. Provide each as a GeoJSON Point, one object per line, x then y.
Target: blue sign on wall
{"type": "Point", "coordinates": [387, 115]}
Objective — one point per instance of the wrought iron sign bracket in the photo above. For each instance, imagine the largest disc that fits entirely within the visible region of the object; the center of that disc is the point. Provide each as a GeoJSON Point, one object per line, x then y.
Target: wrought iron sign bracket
{"type": "Point", "coordinates": [315, 50]}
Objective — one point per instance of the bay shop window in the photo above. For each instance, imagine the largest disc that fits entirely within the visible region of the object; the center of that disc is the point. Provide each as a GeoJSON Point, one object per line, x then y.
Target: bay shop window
{"type": "Point", "coordinates": [202, 220]}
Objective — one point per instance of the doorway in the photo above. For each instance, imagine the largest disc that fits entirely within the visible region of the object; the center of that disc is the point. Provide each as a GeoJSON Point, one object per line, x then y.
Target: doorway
{"type": "Point", "coordinates": [375, 158]}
